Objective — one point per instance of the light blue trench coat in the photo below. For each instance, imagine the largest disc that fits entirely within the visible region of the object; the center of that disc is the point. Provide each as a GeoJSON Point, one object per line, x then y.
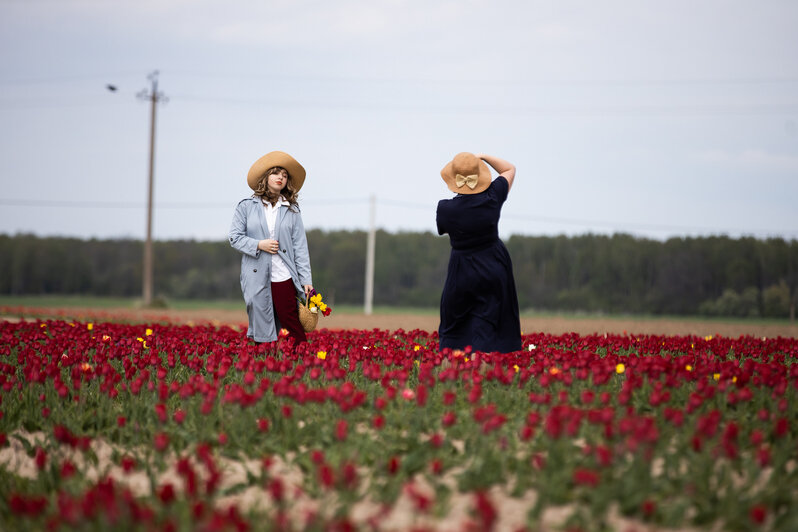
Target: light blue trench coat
{"type": "Point", "coordinates": [248, 227]}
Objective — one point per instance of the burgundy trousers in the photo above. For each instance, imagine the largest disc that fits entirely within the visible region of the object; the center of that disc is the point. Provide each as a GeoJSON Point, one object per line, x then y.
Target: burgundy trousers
{"type": "Point", "coordinates": [285, 309]}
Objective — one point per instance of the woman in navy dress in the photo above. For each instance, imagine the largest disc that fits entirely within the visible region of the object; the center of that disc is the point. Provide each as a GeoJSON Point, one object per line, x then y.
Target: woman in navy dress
{"type": "Point", "coordinates": [479, 304]}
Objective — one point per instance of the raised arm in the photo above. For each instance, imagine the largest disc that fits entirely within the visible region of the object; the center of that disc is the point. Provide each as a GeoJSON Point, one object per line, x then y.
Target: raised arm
{"type": "Point", "coordinates": [505, 169]}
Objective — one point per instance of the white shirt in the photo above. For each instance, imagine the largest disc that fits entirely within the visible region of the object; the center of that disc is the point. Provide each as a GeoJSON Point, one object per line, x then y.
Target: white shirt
{"type": "Point", "coordinates": [280, 271]}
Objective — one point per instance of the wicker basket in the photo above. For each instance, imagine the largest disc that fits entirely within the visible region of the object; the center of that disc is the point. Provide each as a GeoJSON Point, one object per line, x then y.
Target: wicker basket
{"type": "Point", "coordinates": [307, 318]}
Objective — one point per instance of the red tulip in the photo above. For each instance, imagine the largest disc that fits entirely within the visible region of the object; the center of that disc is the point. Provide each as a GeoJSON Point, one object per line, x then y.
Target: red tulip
{"type": "Point", "coordinates": [348, 475]}
{"type": "Point", "coordinates": [166, 493]}
{"type": "Point", "coordinates": [341, 430]}
{"type": "Point", "coordinates": [586, 477]}
{"type": "Point", "coordinates": [128, 464]}
{"type": "Point", "coordinates": [486, 511]}
{"type": "Point", "coordinates": [781, 427]}
{"type": "Point", "coordinates": [449, 397]}
{"type": "Point", "coordinates": [763, 456]}
{"type": "Point", "coordinates": [276, 489]}
{"type": "Point", "coordinates": [160, 411]}
{"type": "Point", "coordinates": [317, 457]}
{"type": "Point", "coordinates": [161, 441]}
{"type": "Point", "coordinates": [758, 514]}
{"type": "Point", "coordinates": [40, 458]}
{"type": "Point", "coordinates": [326, 476]}
{"type": "Point", "coordinates": [421, 502]}
{"type": "Point", "coordinates": [67, 469]}
{"type": "Point", "coordinates": [393, 465]}
{"type": "Point", "coordinates": [648, 507]}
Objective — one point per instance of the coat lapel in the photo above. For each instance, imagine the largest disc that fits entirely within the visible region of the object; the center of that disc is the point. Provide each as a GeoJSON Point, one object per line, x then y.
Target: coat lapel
{"type": "Point", "coordinates": [262, 216]}
{"type": "Point", "coordinates": [279, 221]}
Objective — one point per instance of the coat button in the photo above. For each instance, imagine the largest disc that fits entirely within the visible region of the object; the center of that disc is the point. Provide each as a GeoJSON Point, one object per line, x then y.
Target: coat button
{"type": "Point", "coordinates": [255, 270]}
{"type": "Point", "coordinates": [283, 251]}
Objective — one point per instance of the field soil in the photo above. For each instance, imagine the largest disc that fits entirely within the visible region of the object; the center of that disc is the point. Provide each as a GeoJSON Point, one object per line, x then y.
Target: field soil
{"type": "Point", "coordinates": [429, 322]}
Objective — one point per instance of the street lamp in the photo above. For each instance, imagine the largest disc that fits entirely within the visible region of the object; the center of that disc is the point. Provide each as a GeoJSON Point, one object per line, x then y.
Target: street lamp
{"type": "Point", "coordinates": [154, 97]}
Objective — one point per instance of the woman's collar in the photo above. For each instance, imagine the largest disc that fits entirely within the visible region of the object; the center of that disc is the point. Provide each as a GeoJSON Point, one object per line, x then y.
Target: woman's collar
{"type": "Point", "coordinates": [281, 200]}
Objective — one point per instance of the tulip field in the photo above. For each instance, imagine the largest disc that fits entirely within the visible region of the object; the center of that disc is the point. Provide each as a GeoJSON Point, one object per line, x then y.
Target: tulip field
{"type": "Point", "coordinates": [156, 426]}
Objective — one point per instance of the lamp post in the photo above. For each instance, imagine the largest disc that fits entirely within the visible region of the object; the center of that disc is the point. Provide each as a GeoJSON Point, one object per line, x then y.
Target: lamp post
{"type": "Point", "coordinates": [154, 97]}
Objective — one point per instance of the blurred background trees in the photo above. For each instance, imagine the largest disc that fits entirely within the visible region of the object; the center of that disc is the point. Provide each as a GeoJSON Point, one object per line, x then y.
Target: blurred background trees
{"type": "Point", "coordinates": [713, 276]}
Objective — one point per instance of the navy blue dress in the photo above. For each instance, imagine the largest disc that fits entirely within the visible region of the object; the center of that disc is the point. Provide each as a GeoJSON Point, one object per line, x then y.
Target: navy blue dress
{"type": "Point", "coordinates": [479, 304]}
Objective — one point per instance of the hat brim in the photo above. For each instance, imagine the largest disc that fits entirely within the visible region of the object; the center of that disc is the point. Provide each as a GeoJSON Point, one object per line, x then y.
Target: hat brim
{"type": "Point", "coordinates": [483, 181]}
{"type": "Point", "coordinates": [281, 159]}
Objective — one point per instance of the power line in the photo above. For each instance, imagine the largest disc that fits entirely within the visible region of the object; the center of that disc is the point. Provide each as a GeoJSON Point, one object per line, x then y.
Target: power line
{"type": "Point", "coordinates": [725, 80]}
{"type": "Point", "coordinates": [554, 110]}
{"type": "Point", "coordinates": [623, 109]}
{"type": "Point", "coordinates": [507, 215]}
{"type": "Point", "coordinates": [101, 204]}
{"type": "Point", "coordinates": [34, 80]}
{"type": "Point", "coordinates": [752, 109]}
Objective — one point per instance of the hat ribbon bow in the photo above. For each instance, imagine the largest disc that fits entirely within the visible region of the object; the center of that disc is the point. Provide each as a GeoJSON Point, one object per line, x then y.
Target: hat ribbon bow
{"type": "Point", "coordinates": [468, 180]}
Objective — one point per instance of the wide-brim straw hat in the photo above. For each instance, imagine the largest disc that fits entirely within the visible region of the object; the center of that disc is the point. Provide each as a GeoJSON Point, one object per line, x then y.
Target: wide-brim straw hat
{"type": "Point", "coordinates": [466, 174]}
{"type": "Point", "coordinates": [277, 158]}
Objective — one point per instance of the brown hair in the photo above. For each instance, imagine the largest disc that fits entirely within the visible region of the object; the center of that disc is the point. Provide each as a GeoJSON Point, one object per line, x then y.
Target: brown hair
{"type": "Point", "coordinates": [288, 192]}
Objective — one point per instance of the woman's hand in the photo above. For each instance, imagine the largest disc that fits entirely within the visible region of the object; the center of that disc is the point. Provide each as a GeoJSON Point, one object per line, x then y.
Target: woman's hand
{"type": "Point", "coordinates": [505, 169]}
{"type": "Point", "coordinates": [269, 246]}
{"type": "Point", "coordinates": [308, 289]}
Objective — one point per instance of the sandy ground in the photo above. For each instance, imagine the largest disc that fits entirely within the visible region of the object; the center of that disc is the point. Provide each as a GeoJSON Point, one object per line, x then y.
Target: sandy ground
{"type": "Point", "coordinates": [544, 324]}
{"type": "Point", "coordinates": [403, 515]}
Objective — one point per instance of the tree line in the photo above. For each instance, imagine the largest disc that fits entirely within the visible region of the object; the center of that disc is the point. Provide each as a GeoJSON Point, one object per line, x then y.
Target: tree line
{"type": "Point", "coordinates": [716, 275]}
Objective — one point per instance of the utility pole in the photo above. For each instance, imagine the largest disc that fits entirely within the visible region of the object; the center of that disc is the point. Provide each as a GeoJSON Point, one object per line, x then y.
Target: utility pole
{"type": "Point", "coordinates": [370, 244]}
{"type": "Point", "coordinates": [154, 97]}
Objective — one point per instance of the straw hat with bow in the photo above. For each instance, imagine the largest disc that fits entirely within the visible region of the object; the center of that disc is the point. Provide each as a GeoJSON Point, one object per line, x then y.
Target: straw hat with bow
{"type": "Point", "coordinates": [466, 174]}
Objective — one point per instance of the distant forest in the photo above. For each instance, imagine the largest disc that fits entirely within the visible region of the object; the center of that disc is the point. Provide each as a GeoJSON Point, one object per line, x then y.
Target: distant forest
{"type": "Point", "coordinates": [719, 276]}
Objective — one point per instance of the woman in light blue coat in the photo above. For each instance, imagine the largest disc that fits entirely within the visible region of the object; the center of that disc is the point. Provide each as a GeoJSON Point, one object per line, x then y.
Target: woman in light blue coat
{"type": "Point", "coordinates": [267, 230]}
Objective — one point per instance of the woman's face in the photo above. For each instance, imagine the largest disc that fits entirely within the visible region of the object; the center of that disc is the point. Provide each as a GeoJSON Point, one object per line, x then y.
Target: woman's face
{"type": "Point", "coordinates": [276, 182]}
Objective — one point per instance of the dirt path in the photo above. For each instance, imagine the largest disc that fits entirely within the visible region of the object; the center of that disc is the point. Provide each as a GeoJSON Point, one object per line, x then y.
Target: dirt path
{"type": "Point", "coordinates": [546, 324]}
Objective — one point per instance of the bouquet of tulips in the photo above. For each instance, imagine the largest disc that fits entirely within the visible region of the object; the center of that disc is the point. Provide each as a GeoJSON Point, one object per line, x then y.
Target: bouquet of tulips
{"type": "Point", "coordinates": [315, 303]}
{"type": "Point", "coordinates": [309, 309]}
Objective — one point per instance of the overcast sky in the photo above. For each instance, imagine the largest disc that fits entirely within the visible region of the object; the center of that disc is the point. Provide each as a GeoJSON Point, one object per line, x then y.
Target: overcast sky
{"type": "Point", "coordinates": [653, 118]}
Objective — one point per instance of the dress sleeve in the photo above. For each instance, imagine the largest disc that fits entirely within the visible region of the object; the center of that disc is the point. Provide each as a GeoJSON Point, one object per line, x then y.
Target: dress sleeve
{"type": "Point", "coordinates": [500, 188]}
{"type": "Point", "coordinates": [439, 220]}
